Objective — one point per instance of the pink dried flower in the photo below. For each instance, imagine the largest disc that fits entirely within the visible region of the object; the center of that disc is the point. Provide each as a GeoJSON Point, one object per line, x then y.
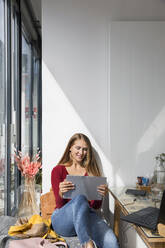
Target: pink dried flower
{"type": "Point", "coordinates": [27, 166]}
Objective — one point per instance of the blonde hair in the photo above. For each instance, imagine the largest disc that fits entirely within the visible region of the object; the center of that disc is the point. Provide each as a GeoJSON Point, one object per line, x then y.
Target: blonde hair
{"type": "Point", "coordinates": [89, 161]}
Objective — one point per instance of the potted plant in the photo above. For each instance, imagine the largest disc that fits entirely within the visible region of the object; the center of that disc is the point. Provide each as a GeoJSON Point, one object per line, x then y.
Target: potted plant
{"type": "Point", "coordinates": [161, 158]}
{"type": "Point", "coordinates": [160, 168]}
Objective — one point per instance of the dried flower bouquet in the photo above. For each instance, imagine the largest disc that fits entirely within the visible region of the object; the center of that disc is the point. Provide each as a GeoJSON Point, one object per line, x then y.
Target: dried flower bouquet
{"type": "Point", "coordinates": [29, 168]}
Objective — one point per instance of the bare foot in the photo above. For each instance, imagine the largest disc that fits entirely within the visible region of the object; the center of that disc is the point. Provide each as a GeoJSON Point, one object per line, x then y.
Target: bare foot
{"type": "Point", "coordinates": [90, 244]}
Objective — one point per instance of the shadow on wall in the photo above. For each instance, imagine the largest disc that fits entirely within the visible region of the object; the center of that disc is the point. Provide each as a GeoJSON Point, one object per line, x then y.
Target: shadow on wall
{"type": "Point", "coordinates": [126, 142]}
{"type": "Point", "coordinates": [98, 160]}
{"type": "Point", "coordinates": [137, 109]}
{"type": "Point", "coordinates": [112, 75]}
{"type": "Point", "coordinates": [60, 120]}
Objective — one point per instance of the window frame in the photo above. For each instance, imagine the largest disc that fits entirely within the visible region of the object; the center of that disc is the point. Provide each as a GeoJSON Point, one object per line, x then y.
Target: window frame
{"type": "Point", "coordinates": [13, 88]}
{"type": "Point", "coordinates": [17, 89]}
{"type": "Point", "coordinates": [7, 190]}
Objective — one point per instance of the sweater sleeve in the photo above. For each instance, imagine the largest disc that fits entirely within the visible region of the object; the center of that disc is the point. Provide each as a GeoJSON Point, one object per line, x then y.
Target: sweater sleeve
{"type": "Point", "coordinates": [58, 175]}
{"type": "Point", "coordinates": [56, 178]}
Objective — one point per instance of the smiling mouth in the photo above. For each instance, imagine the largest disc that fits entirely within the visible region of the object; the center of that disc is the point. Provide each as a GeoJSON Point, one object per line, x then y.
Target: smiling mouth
{"type": "Point", "coordinates": [80, 157]}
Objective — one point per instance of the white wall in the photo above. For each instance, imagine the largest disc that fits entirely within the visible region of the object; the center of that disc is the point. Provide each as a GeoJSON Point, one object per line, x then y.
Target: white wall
{"type": "Point", "coordinates": [137, 106]}
{"type": "Point", "coordinates": [83, 91]}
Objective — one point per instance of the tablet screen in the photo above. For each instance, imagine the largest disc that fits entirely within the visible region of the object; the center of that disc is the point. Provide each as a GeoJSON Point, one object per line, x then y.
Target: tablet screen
{"type": "Point", "coordinates": [85, 185]}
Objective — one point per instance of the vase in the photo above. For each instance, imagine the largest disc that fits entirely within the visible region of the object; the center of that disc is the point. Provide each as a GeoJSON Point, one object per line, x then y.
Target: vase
{"type": "Point", "coordinates": [28, 198]}
{"type": "Point", "coordinates": [160, 172]}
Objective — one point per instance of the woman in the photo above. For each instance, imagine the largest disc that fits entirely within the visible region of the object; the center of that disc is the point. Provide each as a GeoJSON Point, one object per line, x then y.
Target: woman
{"type": "Point", "coordinates": [78, 216]}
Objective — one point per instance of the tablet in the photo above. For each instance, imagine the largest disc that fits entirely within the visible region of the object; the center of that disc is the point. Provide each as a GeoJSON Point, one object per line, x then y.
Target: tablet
{"type": "Point", "coordinates": [85, 185]}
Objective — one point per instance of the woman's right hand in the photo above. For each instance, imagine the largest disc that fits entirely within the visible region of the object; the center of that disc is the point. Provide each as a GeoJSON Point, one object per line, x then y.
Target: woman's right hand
{"type": "Point", "coordinates": [65, 186]}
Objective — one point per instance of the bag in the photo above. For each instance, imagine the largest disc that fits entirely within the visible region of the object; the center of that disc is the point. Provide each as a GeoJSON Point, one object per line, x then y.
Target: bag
{"type": "Point", "coordinates": [36, 243]}
{"type": "Point", "coordinates": [48, 204]}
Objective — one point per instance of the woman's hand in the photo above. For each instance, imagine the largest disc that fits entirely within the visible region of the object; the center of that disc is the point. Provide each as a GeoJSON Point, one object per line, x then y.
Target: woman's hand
{"type": "Point", "coordinates": [65, 186]}
{"type": "Point", "coordinates": [102, 189]}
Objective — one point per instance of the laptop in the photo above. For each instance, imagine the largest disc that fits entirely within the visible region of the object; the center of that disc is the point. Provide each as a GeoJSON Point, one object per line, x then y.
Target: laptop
{"type": "Point", "coordinates": [85, 185]}
{"type": "Point", "coordinates": [148, 217]}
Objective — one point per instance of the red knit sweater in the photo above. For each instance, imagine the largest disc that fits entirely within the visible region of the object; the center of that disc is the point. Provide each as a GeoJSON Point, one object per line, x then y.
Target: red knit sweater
{"type": "Point", "coordinates": [58, 175]}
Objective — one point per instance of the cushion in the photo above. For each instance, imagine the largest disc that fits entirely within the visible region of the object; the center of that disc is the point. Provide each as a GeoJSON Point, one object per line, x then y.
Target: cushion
{"type": "Point", "coordinates": [48, 204]}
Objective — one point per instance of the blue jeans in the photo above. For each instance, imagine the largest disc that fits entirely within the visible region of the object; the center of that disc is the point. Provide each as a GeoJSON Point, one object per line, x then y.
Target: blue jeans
{"type": "Point", "coordinates": [77, 218]}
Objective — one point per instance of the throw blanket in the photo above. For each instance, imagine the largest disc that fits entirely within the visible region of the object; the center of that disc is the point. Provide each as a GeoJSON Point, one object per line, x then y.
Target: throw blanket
{"type": "Point", "coordinates": [36, 226]}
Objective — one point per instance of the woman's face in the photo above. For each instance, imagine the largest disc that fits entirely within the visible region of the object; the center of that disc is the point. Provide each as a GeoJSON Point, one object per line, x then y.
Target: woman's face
{"type": "Point", "coordinates": [79, 150]}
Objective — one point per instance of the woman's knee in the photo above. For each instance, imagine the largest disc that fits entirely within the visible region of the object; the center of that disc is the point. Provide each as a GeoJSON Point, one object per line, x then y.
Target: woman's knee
{"type": "Point", "coordinates": [110, 240]}
{"type": "Point", "coordinates": [80, 199]}
{"type": "Point", "coordinates": [80, 202]}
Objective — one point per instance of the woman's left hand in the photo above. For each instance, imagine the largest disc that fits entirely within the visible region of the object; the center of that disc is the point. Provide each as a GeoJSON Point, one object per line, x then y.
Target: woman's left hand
{"type": "Point", "coordinates": [102, 189]}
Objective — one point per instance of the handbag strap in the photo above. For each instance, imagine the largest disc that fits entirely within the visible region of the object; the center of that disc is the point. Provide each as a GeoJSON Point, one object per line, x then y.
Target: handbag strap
{"type": "Point", "coordinates": [61, 243]}
{"type": "Point", "coordinates": [46, 243]}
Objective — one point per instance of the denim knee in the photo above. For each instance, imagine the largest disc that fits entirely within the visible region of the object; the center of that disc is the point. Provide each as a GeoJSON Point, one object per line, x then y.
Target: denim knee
{"type": "Point", "coordinates": [110, 240]}
{"type": "Point", "coordinates": [80, 202]}
{"type": "Point", "coordinates": [80, 198]}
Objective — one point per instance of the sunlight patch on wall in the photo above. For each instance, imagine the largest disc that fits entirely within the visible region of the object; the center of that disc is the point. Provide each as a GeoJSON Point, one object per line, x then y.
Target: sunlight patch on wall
{"type": "Point", "coordinates": [155, 130]}
{"type": "Point", "coordinates": [60, 122]}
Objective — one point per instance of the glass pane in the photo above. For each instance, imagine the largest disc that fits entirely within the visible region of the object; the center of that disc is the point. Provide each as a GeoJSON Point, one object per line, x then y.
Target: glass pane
{"type": "Point", "coordinates": [35, 105]}
{"type": "Point", "coordinates": [36, 65]}
{"type": "Point", "coordinates": [13, 106]}
{"type": "Point", "coordinates": [2, 105]}
{"type": "Point", "coordinates": [26, 91]}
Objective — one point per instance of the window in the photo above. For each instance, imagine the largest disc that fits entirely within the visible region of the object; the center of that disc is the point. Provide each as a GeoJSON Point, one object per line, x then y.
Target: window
{"type": "Point", "coordinates": [26, 94]}
{"type": "Point", "coordinates": [14, 103]}
{"type": "Point", "coordinates": [19, 97]}
{"type": "Point", "coordinates": [2, 104]}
